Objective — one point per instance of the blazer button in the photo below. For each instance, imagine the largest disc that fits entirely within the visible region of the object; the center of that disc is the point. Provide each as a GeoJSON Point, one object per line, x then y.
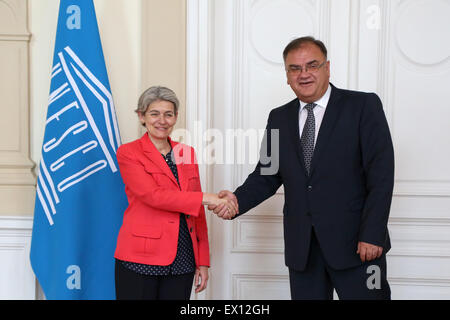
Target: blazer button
{"type": "Point", "coordinates": [191, 229]}
{"type": "Point", "coordinates": [309, 188]}
{"type": "Point", "coordinates": [187, 216]}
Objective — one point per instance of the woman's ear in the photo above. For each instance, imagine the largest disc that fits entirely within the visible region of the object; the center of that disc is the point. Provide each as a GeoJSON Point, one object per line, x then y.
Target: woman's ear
{"type": "Point", "coordinates": [141, 118]}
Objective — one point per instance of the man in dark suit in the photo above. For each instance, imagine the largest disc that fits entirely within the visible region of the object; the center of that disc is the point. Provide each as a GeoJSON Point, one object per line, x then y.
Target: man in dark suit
{"type": "Point", "coordinates": [335, 160]}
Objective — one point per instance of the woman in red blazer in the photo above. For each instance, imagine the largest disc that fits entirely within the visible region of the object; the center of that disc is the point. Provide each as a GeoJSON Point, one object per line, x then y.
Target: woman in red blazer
{"type": "Point", "coordinates": [163, 242]}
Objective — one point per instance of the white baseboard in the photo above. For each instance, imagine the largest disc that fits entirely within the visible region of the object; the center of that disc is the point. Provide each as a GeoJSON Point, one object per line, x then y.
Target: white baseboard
{"type": "Point", "coordinates": [16, 276]}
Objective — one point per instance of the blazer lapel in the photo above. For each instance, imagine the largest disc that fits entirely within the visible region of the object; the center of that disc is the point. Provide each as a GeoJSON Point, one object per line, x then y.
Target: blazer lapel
{"type": "Point", "coordinates": [332, 113]}
{"type": "Point", "coordinates": [179, 159]}
{"type": "Point", "coordinates": [294, 131]}
{"type": "Point", "coordinates": [155, 156]}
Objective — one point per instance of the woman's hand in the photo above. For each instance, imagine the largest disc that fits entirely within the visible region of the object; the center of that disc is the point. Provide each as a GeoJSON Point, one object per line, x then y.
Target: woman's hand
{"type": "Point", "coordinates": [221, 210]}
{"type": "Point", "coordinates": [201, 279]}
{"type": "Point", "coordinates": [214, 201]}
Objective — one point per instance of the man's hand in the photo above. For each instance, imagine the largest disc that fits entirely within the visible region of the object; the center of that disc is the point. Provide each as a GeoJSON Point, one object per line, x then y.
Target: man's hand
{"type": "Point", "coordinates": [221, 210]}
{"type": "Point", "coordinates": [368, 252]}
{"type": "Point", "coordinates": [227, 207]}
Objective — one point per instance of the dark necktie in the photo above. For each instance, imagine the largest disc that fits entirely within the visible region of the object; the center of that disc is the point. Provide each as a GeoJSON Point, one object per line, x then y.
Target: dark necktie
{"type": "Point", "coordinates": [308, 135]}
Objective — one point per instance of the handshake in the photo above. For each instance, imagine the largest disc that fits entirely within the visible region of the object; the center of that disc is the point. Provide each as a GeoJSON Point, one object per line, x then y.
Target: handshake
{"type": "Point", "coordinates": [224, 204]}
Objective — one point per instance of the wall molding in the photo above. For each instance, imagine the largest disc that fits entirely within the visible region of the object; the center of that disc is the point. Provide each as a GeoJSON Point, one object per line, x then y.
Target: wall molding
{"type": "Point", "coordinates": [198, 76]}
{"type": "Point", "coordinates": [420, 237]}
{"type": "Point", "coordinates": [14, 22]}
{"type": "Point", "coordinates": [198, 86]}
{"type": "Point", "coordinates": [420, 288]}
{"type": "Point", "coordinates": [16, 223]}
{"type": "Point", "coordinates": [261, 241]}
{"type": "Point", "coordinates": [16, 276]}
{"type": "Point", "coordinates": [275, 281]}
{"type": "Point", "coordinates": [270, 281]}
{"type": "Point", "coordinates": [15, 37]}
{"type": "Point", "coordinates": [419, 282]}
{"type": "Point", "coordinates": [422, 188]}
{"type": "Point", "coordinates": [17, 179]}
{"type": "Point", "coordinates": [239, 99]}
{"type": "Point", "coordinates": [324, 21]}
{"type": "Point", "coordinates": [354, 44]}
{"type": "Point", "coordinates": [414, 239]}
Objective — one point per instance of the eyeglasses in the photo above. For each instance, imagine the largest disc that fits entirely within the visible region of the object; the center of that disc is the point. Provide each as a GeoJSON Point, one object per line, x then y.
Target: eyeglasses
{"type": "Point", "coordinates": [310, 67]}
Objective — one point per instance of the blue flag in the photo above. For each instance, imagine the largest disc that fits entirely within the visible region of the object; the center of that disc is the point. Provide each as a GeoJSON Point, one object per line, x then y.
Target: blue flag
{"type": "Point", "coordinates": [80, 196]}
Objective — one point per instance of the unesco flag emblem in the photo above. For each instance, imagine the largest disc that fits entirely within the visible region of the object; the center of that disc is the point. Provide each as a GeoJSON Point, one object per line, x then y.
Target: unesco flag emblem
{"type": "Point", "coordinates": [80, 196]}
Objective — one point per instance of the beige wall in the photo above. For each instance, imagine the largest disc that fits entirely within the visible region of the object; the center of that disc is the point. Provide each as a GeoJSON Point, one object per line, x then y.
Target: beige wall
{"type": "Point", "coordinates": [143, 43]}
{"type": "Point", "coordinates": [16, 178]}
{"type": "Point", "coordinates": [164, 48]}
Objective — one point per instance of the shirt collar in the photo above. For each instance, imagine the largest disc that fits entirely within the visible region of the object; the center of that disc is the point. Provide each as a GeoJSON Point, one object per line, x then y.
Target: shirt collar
{"type": "Point", "coordinates": [322, 102]}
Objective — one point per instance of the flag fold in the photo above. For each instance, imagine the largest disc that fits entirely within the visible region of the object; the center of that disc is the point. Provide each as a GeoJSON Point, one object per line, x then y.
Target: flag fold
{"type": "Point", "coordinates": [80, 196]}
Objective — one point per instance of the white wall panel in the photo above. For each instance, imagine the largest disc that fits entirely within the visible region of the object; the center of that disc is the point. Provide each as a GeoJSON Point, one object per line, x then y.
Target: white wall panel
{"type": "Point", "coordinates": [398, 49]}
{"type": "Point", "coordinates": [17, 281]}
{"type": "Point", "coordinates": [260, 287]}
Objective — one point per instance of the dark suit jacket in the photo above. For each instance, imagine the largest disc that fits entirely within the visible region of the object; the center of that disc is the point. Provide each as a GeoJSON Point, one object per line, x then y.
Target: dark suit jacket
{"type": "Point", "coordinates": [348, 194]}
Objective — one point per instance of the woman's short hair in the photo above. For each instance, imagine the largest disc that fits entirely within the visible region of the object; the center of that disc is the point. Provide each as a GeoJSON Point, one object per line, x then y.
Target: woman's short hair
{"type": "Point", "coordinates": [156, 93]}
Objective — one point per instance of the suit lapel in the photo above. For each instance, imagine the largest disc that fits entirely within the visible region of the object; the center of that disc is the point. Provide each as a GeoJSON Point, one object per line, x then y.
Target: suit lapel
{"type": "Point", "coordinates": [294, 131]}
{"type": "Point", "coordinates": [155, 156]}
{"type": "Point", "coordinates": [330, 117]}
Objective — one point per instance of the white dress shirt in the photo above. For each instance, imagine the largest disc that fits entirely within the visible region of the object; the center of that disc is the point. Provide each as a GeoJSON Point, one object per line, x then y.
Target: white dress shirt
{"type": "Point", "coordinates": [319, 111]}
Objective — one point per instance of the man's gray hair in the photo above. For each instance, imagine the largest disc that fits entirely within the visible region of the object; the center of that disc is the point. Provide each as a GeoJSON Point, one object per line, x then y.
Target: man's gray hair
{"type": "Point", "coordinates": [300, 42]}
{"type": "Point", "coordinates": [156, 93]}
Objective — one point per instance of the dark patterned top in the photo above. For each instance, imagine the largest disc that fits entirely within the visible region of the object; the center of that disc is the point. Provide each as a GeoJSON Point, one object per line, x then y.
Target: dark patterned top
{"type": "Point", "coordinates": [184, 260]}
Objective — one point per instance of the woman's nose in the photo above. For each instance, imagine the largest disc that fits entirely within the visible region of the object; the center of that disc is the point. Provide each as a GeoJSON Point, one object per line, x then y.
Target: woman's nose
{"type": "Point", "coordinates": [162, 118]}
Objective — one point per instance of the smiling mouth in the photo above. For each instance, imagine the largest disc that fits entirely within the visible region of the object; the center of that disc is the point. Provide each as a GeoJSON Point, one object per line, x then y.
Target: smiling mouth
{"type": "Point", "coordinates": [306, 83]}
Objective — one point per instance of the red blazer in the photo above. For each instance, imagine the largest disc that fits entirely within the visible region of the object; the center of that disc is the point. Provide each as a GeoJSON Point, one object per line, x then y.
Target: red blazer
{"type": "Point", "coordinates": [149, 233]}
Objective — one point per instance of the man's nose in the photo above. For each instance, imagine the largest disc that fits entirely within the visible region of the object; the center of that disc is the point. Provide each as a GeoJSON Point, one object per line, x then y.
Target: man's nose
{"type": "Point", "coordinates": [304, 74]}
